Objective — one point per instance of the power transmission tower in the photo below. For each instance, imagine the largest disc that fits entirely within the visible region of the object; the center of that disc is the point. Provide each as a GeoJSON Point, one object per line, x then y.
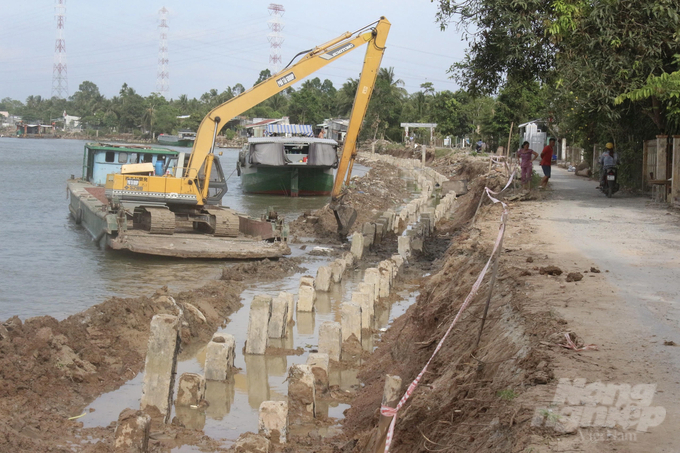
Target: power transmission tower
{"type": "Point", "coordinates": [163, 79]}
{"type": "Point", "coordinates": [275, 37]}
{"type": "Point", "coordinates": [59, 75]}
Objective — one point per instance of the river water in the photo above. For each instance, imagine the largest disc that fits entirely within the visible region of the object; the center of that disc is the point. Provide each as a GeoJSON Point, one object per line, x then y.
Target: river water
{"type": "Point", "coordinates": [50, 266]}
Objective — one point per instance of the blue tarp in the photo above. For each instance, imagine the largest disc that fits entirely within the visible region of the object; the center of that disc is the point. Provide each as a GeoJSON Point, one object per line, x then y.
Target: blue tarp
{"type": "Point", "coordinates": [296, 129]}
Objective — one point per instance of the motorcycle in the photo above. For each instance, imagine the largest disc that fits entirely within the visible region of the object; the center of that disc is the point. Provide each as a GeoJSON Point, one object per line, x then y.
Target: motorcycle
{"type": "Point", "coordinates": [610, 184]}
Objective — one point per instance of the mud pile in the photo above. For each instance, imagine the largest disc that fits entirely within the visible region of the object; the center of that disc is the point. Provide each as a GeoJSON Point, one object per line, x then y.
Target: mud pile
{"type": "Point", "coordinates": [464, 400]}
{"type": "Point", "coordinates": [380, 189]}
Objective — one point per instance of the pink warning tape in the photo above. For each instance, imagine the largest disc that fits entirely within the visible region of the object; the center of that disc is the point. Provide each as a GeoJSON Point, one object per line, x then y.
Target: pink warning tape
{"type": "Point", "coordinates": [392, 412]}
{"type": "Point", "coordinates": [569, 344]}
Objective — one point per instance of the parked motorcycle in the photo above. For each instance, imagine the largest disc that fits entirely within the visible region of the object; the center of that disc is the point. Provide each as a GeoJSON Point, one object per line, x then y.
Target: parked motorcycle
{"type": "Point", "coordinates": [610, 184]}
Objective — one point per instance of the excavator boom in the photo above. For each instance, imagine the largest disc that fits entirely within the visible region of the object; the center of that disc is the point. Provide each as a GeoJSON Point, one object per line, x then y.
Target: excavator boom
{"type": "Point", "coordinates": [345, 215]}
{"type": "Point", "coordinates": [192, 187]}
{"type": "Point", "coordinates": [316, 59]}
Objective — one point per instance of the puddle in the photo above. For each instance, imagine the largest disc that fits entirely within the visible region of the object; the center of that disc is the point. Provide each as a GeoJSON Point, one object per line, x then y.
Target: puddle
{"type": "Point", "coordinates": [233, 405]}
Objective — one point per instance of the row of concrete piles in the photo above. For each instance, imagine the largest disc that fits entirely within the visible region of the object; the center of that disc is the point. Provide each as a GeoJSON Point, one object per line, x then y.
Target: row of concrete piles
{"type": "Point", "coordinates": [133, 428]}
{"type": "Point", "coordinates": [306, 382]}
{"type": "Point", "coordinates": [271, 318]}
{"type": "Point", "coordinates": [415, 221]}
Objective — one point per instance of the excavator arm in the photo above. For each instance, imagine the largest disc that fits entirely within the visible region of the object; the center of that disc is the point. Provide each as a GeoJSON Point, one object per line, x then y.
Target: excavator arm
{"type": "Point", "coordinates": [192, 188]}
{"type": "Point", "coordinates": [345, 215]}
{"type": "Point", "coordinates": [373, 34]}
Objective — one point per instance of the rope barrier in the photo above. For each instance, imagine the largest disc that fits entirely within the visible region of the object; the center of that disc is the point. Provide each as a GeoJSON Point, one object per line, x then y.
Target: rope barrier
{"type": "Point", "coordinates": [392, 412]}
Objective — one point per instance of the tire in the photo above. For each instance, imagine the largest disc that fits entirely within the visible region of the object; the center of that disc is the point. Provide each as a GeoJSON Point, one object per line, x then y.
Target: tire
{"type": "Point", "coordinates": [610, 190]}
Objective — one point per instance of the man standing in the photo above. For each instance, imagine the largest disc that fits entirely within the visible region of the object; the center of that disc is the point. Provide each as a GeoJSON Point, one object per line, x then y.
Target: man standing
{"type": "Point", "coordinates": [546, 161]}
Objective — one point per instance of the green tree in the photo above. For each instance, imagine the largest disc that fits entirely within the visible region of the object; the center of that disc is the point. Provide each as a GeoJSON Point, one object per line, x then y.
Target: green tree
{"type": "Point", "coordinates": [449, 112]}
{"type": "Point", "coordinates": [385, 108]}
{"type": "Point", "coordinates": [129, 108]}
{"type": "Point", "coordinates": [264, 75]}
{"type": "Point", "coordinates": [313, 102]}
{"type": "Point", "coordinates": [506, 39]}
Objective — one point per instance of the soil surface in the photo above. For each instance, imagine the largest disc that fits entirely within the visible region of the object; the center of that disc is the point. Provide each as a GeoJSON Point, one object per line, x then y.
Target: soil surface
{"type": "Point", "coordinates": [493, 391]}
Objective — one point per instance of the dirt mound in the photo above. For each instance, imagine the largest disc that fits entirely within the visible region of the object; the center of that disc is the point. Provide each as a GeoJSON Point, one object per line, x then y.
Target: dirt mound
{"type": "Point", "coordinates": [404, 152]}
{"type": "Point", "coordinates": [461, 166]}
{"type": "Point", "coordinates": [380, 189]}
{"type": "Point", "coordinates": [255, 271]}
{"type": "Point", "coordinates": [52, 369]}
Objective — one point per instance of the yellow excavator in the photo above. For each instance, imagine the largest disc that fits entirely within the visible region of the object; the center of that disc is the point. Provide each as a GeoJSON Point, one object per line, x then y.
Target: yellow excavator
{"type": "Point", "coordinates": [186, 196]}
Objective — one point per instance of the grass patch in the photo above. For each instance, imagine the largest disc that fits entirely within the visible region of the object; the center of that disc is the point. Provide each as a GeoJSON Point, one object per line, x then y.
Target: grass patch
{"type": "Point", "coordinates": [441, 152]}
{"type": "Point", "coordinates": [507, 394]}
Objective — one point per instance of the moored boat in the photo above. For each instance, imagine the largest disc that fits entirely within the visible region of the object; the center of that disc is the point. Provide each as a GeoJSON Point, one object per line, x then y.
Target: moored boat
{"type": "Point", "coordinates": [289, 166]}
{"type": "Point", "coordinates": [122, 226]}
{"type": "Point", "coordinates": [184, 138]}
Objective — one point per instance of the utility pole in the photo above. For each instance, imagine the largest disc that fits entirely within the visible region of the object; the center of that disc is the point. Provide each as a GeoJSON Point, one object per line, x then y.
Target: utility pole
{"type": "Point", "coordinates": [163, 79]}
{"type": "Point", "coordinates": [59, 74]}
{"type": "Point", "coordinates": [275, 37]}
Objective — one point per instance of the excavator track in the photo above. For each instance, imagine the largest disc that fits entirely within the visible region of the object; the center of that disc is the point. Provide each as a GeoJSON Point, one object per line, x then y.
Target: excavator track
{"type": "Point", "coordinates": [226, 222]}
{"type": "Point", "coordinates": [158, 220]}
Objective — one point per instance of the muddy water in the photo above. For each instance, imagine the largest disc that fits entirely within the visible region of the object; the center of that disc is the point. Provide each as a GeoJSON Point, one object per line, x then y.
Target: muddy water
{"type": "Point", "coordinates": [49, 265]}
{"type": "Point", "coordinates": [234, 405]}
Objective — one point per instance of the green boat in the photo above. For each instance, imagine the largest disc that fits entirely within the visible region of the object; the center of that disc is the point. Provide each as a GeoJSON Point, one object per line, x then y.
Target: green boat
{"type": "Point", "coordinates": [288, 166]}
{"type": "Point", "coordinates": [184, 138]}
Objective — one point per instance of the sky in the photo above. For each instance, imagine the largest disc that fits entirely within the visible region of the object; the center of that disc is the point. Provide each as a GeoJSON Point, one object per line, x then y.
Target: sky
{"type": "Point", "coordinates": [211, 44]}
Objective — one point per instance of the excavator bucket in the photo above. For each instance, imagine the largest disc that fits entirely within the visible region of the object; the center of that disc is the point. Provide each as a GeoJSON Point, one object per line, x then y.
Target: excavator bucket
{"type": "Point", "coordinates": [345, 215]}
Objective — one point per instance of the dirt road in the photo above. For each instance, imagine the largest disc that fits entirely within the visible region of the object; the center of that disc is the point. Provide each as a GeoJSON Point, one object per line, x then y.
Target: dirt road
{"type": "Point", "coordinates": [631, 314]}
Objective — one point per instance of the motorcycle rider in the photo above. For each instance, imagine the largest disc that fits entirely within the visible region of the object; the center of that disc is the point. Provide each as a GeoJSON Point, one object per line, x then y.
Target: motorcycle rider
{"type": "Point", "coordinates": [609, 158]}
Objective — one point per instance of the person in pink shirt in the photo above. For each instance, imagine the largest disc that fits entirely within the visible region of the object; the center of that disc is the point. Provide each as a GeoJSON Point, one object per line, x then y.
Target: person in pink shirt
{"type": "Point", "coordinates": [526, 157]}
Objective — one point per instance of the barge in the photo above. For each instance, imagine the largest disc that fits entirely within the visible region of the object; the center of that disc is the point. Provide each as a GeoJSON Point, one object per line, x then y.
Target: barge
{"type": "Point", "coordinates": [151, 229]}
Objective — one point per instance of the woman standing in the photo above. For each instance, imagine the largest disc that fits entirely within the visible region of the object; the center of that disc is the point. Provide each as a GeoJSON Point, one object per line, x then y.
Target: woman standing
{"type": "Point", "coordinates": [526, 157]}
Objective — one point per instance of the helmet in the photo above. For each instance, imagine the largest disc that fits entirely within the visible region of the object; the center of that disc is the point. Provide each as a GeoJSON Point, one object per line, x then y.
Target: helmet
{"type": "Point", "coordinates": [609, 145]}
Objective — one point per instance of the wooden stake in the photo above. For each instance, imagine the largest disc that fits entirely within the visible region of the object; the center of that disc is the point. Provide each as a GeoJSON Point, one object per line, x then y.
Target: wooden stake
{"type": "Point", "coordinates": [509, 137]}
{"type": "Point", "coordinates": [491, 285]}
{"type": "Point", "coordinates": [391, 397]}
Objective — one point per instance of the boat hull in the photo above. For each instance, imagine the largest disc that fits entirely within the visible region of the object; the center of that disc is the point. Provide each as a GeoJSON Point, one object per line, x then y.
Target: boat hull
{"type": "Point", "coordinates": [173, 140]}
{"type": "Point", "coordinates": [287, 181]}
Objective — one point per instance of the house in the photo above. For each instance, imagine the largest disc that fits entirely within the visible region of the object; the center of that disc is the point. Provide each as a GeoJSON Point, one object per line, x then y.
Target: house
{"type": "Point", "coordinates": [258, 126]}
{"type": "Point", "coordinates": [537, 133]}
{"type": "Point", "coordinates": [335, 129]}
{"type": "Point", "coordinates": [34, 130]}
{"type": "Point", "coordinates": [71, 123]}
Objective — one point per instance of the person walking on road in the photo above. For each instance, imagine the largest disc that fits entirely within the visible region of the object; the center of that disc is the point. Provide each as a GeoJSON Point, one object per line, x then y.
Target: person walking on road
{"type": "Point", "coordinates": [546, 161]}
{"type": "Point", "coordinates": [526, 157]}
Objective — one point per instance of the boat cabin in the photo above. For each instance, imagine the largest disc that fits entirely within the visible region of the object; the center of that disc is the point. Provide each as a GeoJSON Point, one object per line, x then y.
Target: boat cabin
{"type": "Point", "coordinates": [101, 159]}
